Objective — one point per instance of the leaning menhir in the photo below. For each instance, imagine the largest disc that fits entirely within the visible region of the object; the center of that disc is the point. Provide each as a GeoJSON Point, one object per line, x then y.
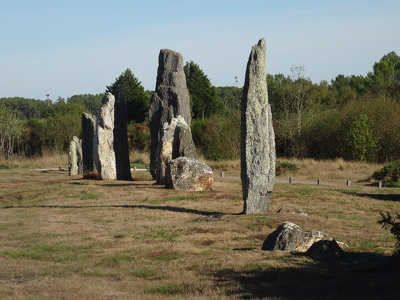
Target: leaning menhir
{"type": "Point", "coordinates": [103, 141]}
{"type": "Point", "coordinates": [170, 99]}
{"type": "Point", "coordinates": [257, 135]}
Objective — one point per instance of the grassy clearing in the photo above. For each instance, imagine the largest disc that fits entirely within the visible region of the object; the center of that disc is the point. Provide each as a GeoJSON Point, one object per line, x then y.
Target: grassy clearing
{"type": "Point", "coordinates": [88, 239]}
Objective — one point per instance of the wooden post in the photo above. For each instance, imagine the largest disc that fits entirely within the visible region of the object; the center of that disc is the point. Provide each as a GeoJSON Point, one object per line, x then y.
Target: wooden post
{"type": "Point", "coordinates": [319, 181]}
{"type": "Point", "coordinates": [380, 184]}
{"type": "Point", "coordinates": [348, 182]}
{"type": "Point", "coordinates": [222, 174]}
{"type": "Point", "coordinates": [290, 180]}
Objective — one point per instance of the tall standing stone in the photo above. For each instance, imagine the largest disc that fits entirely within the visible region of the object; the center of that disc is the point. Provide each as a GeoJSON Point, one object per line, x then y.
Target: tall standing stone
{"type": "Point", "coordinates": [88, 130]}
{"type": "Point", "coordinates": [75, 156]}
{"type": "Point", "coordinates": [103, 141]}
{"type": "Point", "coordinates": [257, 135]}
{"type": "Point", "coordinates": [121, 137]}
{"type": "Point", "coordinates": [170, 99]}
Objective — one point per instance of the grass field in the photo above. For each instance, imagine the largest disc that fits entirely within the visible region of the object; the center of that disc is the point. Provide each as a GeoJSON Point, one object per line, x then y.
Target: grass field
{"type": "Point", "coordinates": [63, 237]}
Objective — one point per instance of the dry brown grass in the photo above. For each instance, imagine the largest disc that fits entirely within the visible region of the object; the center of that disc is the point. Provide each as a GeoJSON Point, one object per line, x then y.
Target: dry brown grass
{"type": "Point", "coordinates": [47, 160]}
{"type": "Point", "coordinates": [63, 237]}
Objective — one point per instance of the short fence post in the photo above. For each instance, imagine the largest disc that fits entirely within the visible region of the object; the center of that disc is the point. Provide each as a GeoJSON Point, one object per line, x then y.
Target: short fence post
{"type": "Point", "coordinates": [380, 184]}
{"type": "Point", "coordinates": [290, 180]}
{"type": "Point", "coordinates": [348, 182]}
{"type": "Point", "coordinates": [222, 174]}
{"type": "Point", "coordinates": [319, 181]}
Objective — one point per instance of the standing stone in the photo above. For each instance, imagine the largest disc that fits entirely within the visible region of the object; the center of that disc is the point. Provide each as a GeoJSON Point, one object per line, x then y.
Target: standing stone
{"type": "Point", "coordinates": [176, 142]}
{"type": "Point", "coordinates": [121, 137]}
{"type": "Point", "coordinates": [170, 99]}
{"type": "Point", "coordinates": [75, 156]}
{"type": "Point", "coordinates": [88, 130]}
{"type": "Point", "coordinates": [183, 145]}
{"type": "Point", "coordinates": [103, 142]}
{"type": "Point", "coordinates": [257, 135]}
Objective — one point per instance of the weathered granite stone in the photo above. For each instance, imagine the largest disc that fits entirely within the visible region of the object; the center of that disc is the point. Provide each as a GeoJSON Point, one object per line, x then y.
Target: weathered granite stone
{"type": "Point", "coordinates": [121, 137]}
{"type": "Point", "coordinates": [170, 99]}
{"type": "Point", "coordinates": [325, 250]}
{"type": "Point", "coordinates": [172, 146]}
{"type": "Point", "coordinates": [183, 144]}
{"type": "Point", "coordinates": [103, 141]}
{"type": "Point", "coordinates": [257, 136]}
{"type": "Point", "coordinates": [88, 130]}
{"type": "Point", "coordinates": [291, 237]}
{"type": "Point", "coordinates": [188, 174]}
{"type": "Point", "coordinates": [308, 238]}
{"type": "Point", "coordinates": [75, 165]}
{"type": "Point", "coordinates": [285, 238]}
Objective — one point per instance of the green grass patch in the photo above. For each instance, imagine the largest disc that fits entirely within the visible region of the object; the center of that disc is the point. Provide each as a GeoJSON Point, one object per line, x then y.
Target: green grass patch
{"type": "Point", "coordinates": [156, 232]}
{"type": "Point", "coordinates": [145, 273]}
{"type": "Point", "coordinates": [367, 245]}
{"type": "Point", "coordinates": [53, 253]}
{"type": "Point", "coordinates": [169, 289]}
{"type": "Point", "coordinates": [102, 221]}
{"type": "Point", "coordinates": [165, 255]}
{"type": "Point", "coordinates": [391, 184]}
{"type": "Point", "coordinates": [85, 195]}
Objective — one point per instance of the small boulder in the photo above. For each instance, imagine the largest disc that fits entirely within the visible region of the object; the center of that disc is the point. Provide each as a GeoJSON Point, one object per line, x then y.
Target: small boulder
{"type": "Point", "coordinates": [324, 250]}
{"type": "Point", "coordinates": [291, 237]}
{"type": "Point", "coordinates": [190, 174]}
{"type": "Point", "coordinates": [284, 238]}
{"type": "Point", "coordinates": [308, 238]}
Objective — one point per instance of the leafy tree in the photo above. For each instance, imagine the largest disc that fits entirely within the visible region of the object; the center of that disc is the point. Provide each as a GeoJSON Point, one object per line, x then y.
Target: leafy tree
{"type": "Point", "coordinates": [137, 100]}
{"type": "Point", "coordinates": [390, 222]}
{"type": "Point", "coordinates": [92, 103]}
{"type": "Point", "coordinates": [278, 94]}
{"type": "Point", "coordinates": [361, 141]}
{"type": "Point", "coordinates": [230, 97]}
{"type": "Point", "coordinates": [218, 137]}
{"type": "Point", "coordinates": [34, 136]}
{"type": "Point", "coordinates": [10, 131]}
{"type": "Point", "coordinates": [26, 108]}
{"type": "Point", "coordinates": [385, 78]}
{"type": "Point", "coordinates": [203, 95]}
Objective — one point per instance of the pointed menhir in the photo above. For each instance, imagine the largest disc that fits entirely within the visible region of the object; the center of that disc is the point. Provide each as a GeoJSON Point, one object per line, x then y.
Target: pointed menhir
{"type": "Point", "coordinates": [257, 136]}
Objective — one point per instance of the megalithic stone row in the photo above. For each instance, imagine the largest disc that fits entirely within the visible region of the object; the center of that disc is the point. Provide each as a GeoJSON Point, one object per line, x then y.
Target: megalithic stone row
{"type": "Point", "coordinates": [75, 156]}
{"type": "Point", "coordinates": [88, 130]}
{"type": "Point", "coordinates": [257, 135]}
{"type": "Point", "coordinates": [170, 99]}
{"type": "Point", "coordinates": [121, 137]}
{"type": "Point", "coordinates": [103, 141]}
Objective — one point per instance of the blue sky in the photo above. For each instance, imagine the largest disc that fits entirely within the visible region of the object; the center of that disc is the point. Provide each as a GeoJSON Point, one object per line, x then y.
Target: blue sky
{"type": "Point", "coordinates": [64, 48]}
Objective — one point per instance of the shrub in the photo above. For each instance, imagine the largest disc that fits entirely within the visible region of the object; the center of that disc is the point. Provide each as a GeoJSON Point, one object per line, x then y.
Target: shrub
{"type": "Point", "coordinates": [218, 137]}
{"type": "Point", "coordinates": [390, 172]}
{"type": "Point", "coordinates": [389, 222]}
{"type": "Point", "coordinates": [283, 167]}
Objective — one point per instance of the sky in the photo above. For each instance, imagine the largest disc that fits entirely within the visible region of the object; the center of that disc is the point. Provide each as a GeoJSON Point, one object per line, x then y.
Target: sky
{"type": "Point", "coordinates": [66, 48]}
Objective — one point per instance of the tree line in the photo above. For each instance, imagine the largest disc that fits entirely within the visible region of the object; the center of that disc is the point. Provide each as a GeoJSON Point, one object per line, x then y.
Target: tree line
{"type": "Point", "coordinates": [352, 117]}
